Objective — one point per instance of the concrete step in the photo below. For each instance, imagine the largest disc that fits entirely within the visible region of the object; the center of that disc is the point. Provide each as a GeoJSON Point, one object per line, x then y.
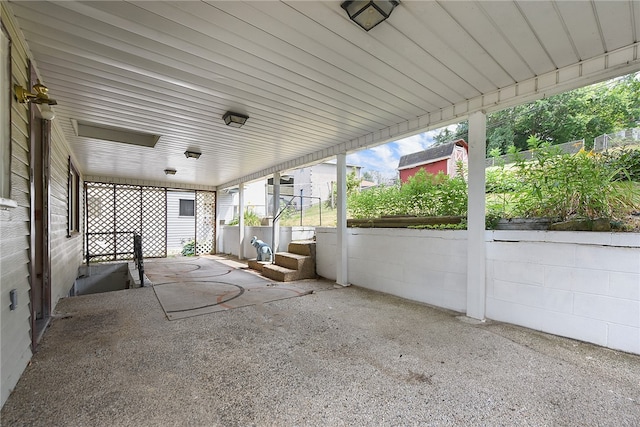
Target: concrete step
{"type": "Point", "coordinates": [303, 247]}
{"type": "Point", "coordinates": [289, 260]}
{"type": "Point", "coordinates": [279, 273]}
{"type": "Point", "coordinates": [257, 265]}
{"type": "Point", "coordinates": [304, 264]}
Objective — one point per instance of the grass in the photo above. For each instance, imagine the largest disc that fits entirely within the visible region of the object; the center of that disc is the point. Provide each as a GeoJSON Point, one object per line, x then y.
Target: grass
{"type": "Point", "coordinates": [311, 217]}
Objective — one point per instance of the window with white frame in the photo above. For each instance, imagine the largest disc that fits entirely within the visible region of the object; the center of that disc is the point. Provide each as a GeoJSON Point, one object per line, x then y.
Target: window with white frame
{"type": "Point", "coordinates": [73, 219]}
{"type": "Point", "coordinates": [5, 115]}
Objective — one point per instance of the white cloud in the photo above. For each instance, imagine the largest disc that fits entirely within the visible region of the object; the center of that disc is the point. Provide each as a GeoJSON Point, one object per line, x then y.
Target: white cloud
{"type": "Point", "coordinates": [385, 158]}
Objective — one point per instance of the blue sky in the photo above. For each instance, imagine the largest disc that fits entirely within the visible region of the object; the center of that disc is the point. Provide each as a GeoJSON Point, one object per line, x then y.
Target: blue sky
{"type": "Point", "coordinates": [384, 158]}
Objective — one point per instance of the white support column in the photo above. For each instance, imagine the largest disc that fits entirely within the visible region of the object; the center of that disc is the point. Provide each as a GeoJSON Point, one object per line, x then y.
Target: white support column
{"type": "Point", "coordinates": [241, 221]}
{"type": "Point", "coordinates": [275, 233]}
{"type": "Point", "coordinates": [476, 247]}
{"type": "Point", "coordinates": [342, 276]}
{"type": "Point", "coordinates": [218, 229]}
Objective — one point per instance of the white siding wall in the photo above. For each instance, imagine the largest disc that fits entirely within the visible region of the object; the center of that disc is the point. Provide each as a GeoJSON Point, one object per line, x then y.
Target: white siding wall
{"type": "Point", "coordinates": [225, 206]}
{"type": "Point", "coordinates": [254, 197]}
{"type": "Point", "coordinates": [584, 286]}
{"type": "Point", "coordinates": [179, 228]}
{"type": "Point", "coordinates": [316, 180]}
{"type": "Point", "coordinates": [66, 253]}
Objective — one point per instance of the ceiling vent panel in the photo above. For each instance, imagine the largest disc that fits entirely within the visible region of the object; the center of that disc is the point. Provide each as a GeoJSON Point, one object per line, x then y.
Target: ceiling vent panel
{"type": "Point", "coordinates": [109, 133]}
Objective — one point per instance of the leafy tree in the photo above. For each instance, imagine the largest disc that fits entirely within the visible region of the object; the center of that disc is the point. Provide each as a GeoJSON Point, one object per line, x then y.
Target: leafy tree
{"type": "Point", "coordinates": [581, 113]}
{"type": "Point", "coordinates": [353, 186]}
{"type": "Point", "coordinates": [444, 136]}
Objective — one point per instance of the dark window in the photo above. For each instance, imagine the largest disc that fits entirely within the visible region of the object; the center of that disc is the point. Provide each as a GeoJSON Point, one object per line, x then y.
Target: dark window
{"type": "Point", "coordinates": [186, 207]}
{"type": "Point", "coordinates": [5, 114]}
{"type": "Point", "coordinates": [73, 217]}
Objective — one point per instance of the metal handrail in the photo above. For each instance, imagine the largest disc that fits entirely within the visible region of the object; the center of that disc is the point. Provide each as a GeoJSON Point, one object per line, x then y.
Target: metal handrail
{"type": "Point", "coordinates": [102, 233]}
{"type": "Point", "coordinates": [275, 218]}
{"type": "Point", "coordinates": [137, 256]}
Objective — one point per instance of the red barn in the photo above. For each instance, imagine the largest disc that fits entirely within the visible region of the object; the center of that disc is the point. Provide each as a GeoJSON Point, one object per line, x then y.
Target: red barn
{"type": "Point", "coordinates": [441, 158]}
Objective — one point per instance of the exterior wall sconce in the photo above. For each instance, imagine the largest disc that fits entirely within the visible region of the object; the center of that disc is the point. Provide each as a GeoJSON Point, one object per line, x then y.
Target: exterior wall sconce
{"type": "Point", "coordinates": [234, 119]}
{"type": "Point", "coordinates": [46, 112]}
{"type": "Point", "coordinates": [368, 14]}
{"type": "Point", "coordinates": [169, 171]}
{"type": "Point", "coordinates": [192, 154]}
{"type": "Point", "coordinates": [40, 94]}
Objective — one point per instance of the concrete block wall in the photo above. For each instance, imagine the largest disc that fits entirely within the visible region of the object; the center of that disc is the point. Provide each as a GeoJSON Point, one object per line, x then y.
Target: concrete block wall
{"type": "Point", "coordinates": [423, 265]}
{"type": "Point", "coordinates": [326, 251]}
{"type": "Point", "coordinates": [584, 286]}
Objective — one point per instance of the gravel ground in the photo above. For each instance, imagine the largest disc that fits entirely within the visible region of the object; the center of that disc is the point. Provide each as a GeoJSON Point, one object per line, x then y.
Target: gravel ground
{"type": "Point", "coordinates": [342, 357]}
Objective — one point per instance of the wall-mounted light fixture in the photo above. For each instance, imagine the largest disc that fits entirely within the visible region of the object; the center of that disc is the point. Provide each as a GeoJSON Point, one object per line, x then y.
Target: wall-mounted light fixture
{"type": "Point", "coordinates": [170, 171]}
{"type": "Point", "coordinates": [368, 14]}
{"type": "Point", "coordinates": [234, 119]}
{"type": "Point", "coordinates": [192, 154]}
{"type": "Point", "coordinates": [40, 94]}
{"type": "Point", "coordinates": [46, 112]}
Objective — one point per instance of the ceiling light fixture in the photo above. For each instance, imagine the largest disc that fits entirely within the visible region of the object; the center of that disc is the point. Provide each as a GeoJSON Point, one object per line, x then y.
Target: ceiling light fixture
{"type": "Point", "coordinates": [235, 120]}
{"type": "Point", "coordinates": [192, 154]}
{"type": "Point", "coordinates": [170, 171]}
{"type": "Point", "coordinates": [368, 14]}
{"type": "Point", "coordinates": [40, 94]}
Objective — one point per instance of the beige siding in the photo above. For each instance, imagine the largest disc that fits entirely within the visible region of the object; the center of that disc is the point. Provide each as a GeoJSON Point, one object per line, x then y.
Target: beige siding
{"type": "Point", "coordinates": [66, 252]}
{"type": "Point", "coordinates": [15, 338]}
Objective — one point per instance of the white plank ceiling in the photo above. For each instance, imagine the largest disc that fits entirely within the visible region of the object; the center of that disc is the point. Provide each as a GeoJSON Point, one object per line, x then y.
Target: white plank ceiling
{"type": "Point", "coordinates": [312, 82]}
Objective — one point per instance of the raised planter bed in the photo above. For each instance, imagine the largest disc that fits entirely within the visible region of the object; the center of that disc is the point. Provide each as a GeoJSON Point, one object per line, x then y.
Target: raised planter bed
{"type": "Point", "coordinates": [403, 221]}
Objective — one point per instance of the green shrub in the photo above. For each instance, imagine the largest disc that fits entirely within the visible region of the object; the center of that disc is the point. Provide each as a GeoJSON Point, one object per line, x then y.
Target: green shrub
{"type": "Point", "coordinates": [565, 186]}
{"type": "Point", "coordinates": [250, 219]}
{"type": "Point", "coordinates": [189, 248]}
{"type": "Point", "coordinates": [626, 162]}
{"type": "Point", "coordinates": [501, 180]}
{"type": "Point", "coordinates": [422, 195]}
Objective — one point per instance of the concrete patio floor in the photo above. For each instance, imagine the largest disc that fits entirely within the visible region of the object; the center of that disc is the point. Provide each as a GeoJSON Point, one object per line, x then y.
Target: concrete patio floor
{"type": "Point", "coordinates": [332, 358]}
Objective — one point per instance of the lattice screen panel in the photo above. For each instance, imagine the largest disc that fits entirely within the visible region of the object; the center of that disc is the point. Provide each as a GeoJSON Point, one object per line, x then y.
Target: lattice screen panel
{"type": "Point", "coordinates": [100, 221]}
{"type": "Point", "coordinates": [115, 212]}
{"type": "Point", "coordinates": [128, 218]}
{"type": "Point", "coordinates": [154, 224]}
{"type": "Point", "coordinates": [205, 222]}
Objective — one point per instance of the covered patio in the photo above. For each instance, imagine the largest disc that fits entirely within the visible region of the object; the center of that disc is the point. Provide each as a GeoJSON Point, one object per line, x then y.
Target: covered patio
{"type": "Point", "coordinates": [339, 357]}
{"type": "Point", "coordinates": [208, 95]}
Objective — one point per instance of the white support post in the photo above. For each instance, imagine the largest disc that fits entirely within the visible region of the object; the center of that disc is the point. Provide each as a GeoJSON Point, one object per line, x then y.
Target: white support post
{"type": "Point", "coordinates": [275, 229]}
{"type": "Point", "coordinates": [218, 229]}
{"type": "Point", "coordinates": [241, 221]}
{"type": "Point", "coordinates": [342, 276]}
{"type": "Point", "coordinates": [476, 247]}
